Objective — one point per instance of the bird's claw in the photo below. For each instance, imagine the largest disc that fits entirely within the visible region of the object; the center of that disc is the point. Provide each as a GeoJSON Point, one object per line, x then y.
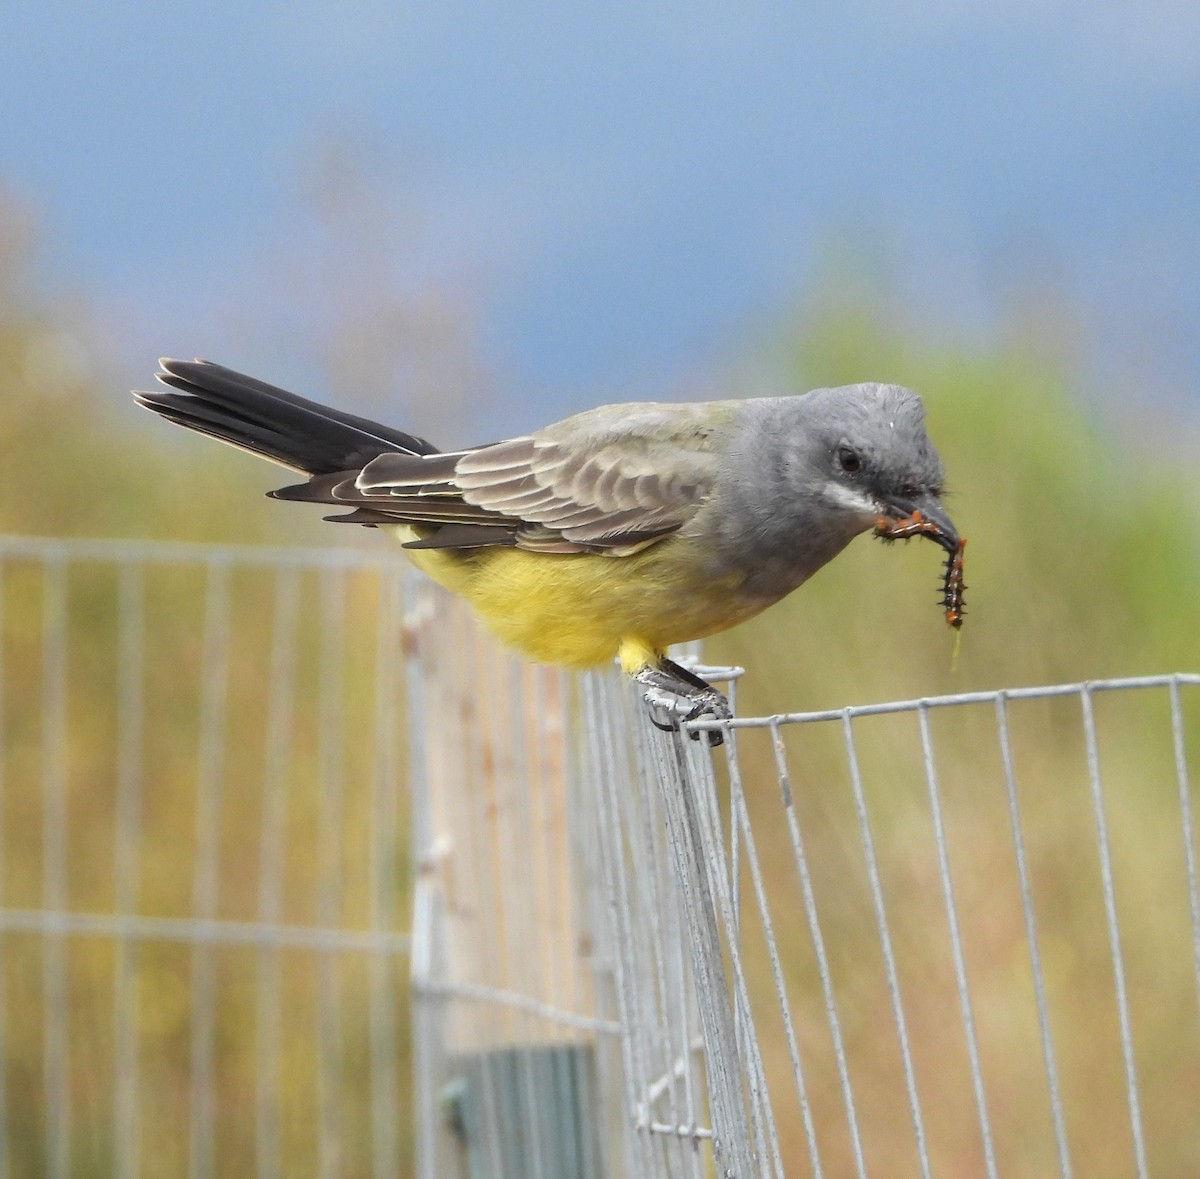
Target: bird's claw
{"type": "Point", "coordinates": [708, 703]}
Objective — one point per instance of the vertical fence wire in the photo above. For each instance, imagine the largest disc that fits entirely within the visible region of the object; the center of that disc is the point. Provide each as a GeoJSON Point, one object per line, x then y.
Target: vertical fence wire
{"type": "Point", "coordinates": [130, 729]}
{"type": "Point", "coordinates": [526, 948]}
{"type": "Point", "coordinates": [526, 937]}
{"type": "Point", "coordinates": [210, 770]}
{"type": "Point", "coordinates": [697, 759]}
{"type": "Point", "coordinates": [385, 785]}
{"type": "Point", "coordinates": [657, 895]}
{"type": "Point", "coordinates": [628, 1144]}
{"type": "Point", "coordinates": [1114, 932]}
{"type": "Point", "coordinates": [956, 943]}
{"type": "Point", "coordinates": [330, 838]}
{"type": "Point", "coordinates": [669, 1035]}
{"type": "Point", "coordinates": [56, 1004]}
{"type": "Point", "coordinates": [278, 738]}
{"type": "Point", "coordinates": [604, 781]}
{"type": "Point", "coordinates": [1185, 814]}
{"type": "Point", "coordinates": [424, 962]}
{"type": "Point", "coordinates": [885, 942]}
{"type": "Point", "coordinates": [808, 897]}
{"type": "Point", "coordinates": [703, 886]}
{"type": "Point", "coordinates": [1031, 937]}
{"type": "Point", "coordinates": [643, 933]}
{"type": "Point", "coordinates": [4, 1149]}
{"type": "Point", "coordinates": [742, 818]}
{"type": "Point", "coordinates": [481, 826]}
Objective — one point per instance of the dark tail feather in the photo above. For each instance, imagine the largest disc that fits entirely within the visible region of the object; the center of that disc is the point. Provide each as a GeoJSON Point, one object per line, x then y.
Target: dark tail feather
{"type": "Point", "coordinates": [270, 422]}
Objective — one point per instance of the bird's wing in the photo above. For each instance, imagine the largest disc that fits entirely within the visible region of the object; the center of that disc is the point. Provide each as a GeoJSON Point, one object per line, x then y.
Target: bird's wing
{"type": "Point", "coordinates": [611, 480]}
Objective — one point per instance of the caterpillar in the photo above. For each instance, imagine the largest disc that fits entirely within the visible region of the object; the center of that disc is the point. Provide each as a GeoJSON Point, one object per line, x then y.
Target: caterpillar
{"type": "Point", "coordinates": [954, 588]}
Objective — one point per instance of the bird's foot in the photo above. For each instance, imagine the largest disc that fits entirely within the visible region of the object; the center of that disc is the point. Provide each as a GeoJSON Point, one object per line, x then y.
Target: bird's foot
{"type": "Point", "coordinates": [683, 696]}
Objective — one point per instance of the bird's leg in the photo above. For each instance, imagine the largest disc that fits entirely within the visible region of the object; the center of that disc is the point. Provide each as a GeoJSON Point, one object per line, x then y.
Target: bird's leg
{"type": "Point", "coordinates": [669, 676]}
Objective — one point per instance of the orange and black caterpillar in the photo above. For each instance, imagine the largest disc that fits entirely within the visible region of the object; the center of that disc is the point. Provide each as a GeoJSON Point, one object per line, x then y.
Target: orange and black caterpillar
{"type": "Point", "coordinates": [953, 586]}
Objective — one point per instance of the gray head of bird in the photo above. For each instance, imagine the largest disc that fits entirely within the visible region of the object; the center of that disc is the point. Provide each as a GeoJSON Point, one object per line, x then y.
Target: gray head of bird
{"type": "Point", "coordinates": [867, 458]}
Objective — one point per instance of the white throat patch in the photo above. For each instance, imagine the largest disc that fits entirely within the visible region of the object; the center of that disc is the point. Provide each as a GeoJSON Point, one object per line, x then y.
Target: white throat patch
{"type": "Point", "coordinates": [853, 499]}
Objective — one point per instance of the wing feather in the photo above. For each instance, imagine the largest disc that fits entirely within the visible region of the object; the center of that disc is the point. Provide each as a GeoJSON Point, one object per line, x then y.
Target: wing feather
{"type": "Point", "coordinates": [612, 481]}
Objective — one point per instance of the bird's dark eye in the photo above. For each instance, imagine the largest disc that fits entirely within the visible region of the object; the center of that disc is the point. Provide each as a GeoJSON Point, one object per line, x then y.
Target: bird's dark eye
{"type": "Point", "coordinates": [849, 460]}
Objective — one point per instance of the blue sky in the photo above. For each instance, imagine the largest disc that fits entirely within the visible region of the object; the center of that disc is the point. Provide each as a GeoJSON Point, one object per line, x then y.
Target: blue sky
{"type": "Point", "coordinates": [626, 188]}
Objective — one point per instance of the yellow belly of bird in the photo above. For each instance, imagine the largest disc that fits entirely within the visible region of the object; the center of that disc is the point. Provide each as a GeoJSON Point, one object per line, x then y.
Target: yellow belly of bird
{"type": "Point", "coordinates": [582, 610]}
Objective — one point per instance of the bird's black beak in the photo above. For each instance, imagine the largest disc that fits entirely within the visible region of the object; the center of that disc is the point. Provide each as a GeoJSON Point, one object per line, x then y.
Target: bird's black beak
{"type": "Point", "coordinates": [922, 515]}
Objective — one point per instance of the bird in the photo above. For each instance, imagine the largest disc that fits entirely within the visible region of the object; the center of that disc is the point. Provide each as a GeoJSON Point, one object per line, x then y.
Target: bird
{"type": "Point", "coordinates": [619, 531]}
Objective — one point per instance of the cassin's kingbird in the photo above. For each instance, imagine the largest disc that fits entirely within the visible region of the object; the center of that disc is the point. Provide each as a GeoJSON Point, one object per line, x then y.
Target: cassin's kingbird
{"type": "Point", "coordinates": [618, 531]}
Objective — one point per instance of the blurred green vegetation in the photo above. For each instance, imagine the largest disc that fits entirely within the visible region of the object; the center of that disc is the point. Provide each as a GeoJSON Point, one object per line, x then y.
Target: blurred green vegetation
{"type": "Point", "coordinates": [1083, 561]}
{"type": "Point", "coordinates": [78, 462]}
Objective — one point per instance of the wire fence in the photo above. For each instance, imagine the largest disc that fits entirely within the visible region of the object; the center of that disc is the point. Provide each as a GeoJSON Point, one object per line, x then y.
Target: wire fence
{"type": "Point", "coordinates": [1011, 1059]}
{"type": "Point", "coordinates": [943, 937]}
{"type": "Point", "coordinates": [950, 936]}
{"type": "Point", "coordinates": [203, 884]}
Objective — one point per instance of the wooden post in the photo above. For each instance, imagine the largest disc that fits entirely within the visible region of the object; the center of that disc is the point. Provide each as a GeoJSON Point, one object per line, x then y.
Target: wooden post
{"type": "Point", "coordinates": [511, 977]}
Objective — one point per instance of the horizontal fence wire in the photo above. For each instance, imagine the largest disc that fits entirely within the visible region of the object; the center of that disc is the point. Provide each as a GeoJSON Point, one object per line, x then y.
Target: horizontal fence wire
{"type": "Point", "coordinates": [203, 871]}
{"type": "Point", "coordinates": [164, 552]}
{"type": "Point", "coordinates": [1044, 692]}
{"type": "Point", "coordinates": [199, 931]}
